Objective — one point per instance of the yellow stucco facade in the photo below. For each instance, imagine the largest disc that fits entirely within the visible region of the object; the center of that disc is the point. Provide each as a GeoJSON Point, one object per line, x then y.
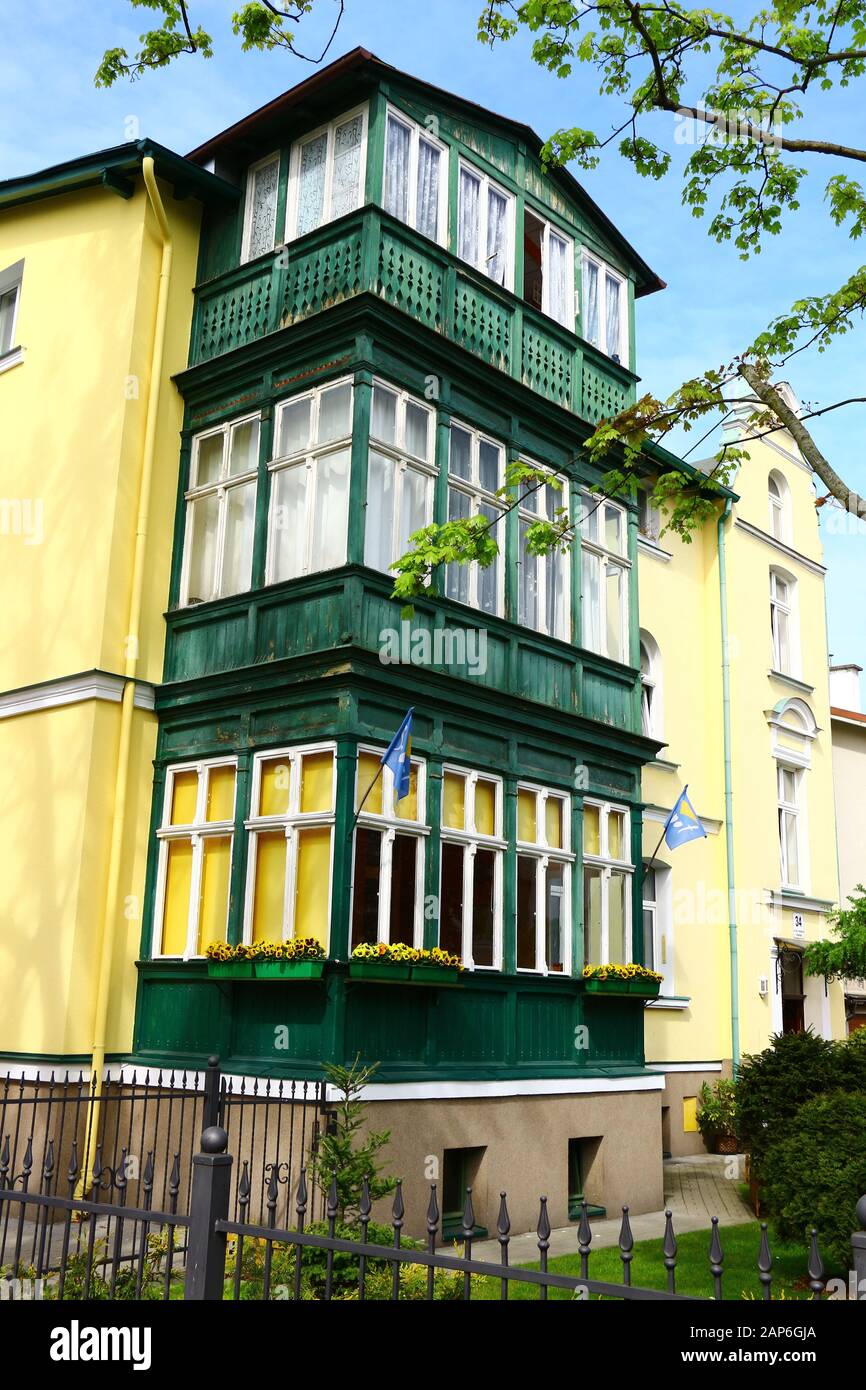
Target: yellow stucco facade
{"type": "Point", "coordinates": [780, 775]}
{"type": "Point", "coordinates": [73, 401]}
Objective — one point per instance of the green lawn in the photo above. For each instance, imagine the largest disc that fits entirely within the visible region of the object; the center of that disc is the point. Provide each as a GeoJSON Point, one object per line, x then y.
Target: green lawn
{"type": "Point", "coordinates": [739, 1243]}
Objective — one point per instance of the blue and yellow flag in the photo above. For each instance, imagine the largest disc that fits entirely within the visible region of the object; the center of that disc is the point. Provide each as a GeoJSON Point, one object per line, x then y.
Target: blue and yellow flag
{"type": "Point", "coordinates": [397, 756]}
{"type": "Point", "coordinates": [683, 823]}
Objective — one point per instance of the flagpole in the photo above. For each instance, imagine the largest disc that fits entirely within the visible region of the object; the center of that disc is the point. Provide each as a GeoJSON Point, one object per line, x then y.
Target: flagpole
{"type": "Point", "coordinates": [361, 807]}
{"type": "Point", "coordinates": [668, 821]}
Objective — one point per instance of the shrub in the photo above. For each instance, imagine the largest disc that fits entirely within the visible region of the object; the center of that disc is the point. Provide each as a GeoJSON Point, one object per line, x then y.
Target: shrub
{"type": "Point", "coordinates": [772, 1085]}
{"type": "Point", "coordinates": [815, 1174]}
{"type": "Point", "coordinates": [717, 1110]}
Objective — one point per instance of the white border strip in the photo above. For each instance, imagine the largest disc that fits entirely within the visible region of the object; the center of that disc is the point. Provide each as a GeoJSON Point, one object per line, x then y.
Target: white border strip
{"type": "Point", "coordinates": [471, 1090]}
{"type": "Point", "coordinates": [72, 690]}
{"type": "Point", "coordinates": [684, 1066]}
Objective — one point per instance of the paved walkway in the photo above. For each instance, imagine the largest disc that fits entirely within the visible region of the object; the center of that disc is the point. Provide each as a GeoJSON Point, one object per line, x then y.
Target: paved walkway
{"type": "Point", "coordinates": [696, 1190]}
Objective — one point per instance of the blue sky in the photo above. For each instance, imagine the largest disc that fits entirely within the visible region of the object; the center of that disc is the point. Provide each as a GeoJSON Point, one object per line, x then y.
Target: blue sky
{"type": "Point", "coordinates": [714, 304]}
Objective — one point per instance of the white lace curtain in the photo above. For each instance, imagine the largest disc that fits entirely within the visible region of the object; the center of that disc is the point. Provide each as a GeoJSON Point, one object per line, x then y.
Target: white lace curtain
{"type": "Point", "coordinates": [612, 315]}
{"type": "Point", "coordinates": [497, 236]}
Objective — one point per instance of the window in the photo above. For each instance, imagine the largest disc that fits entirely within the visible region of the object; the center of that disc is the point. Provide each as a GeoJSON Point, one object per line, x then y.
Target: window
{"type": "Point", "coordinates": [327, 178]}
{"type": "Point", "coordinates": [779, 501]}
{"type": "Point", "coordinates": [789, 824]}
{"type": "Point", "coordinates": [260, 212]}
{"type": "Point", "coordinates": [649, 522]}
{"type": "Point", "coordinates": [657, 925]}
{"type": "Point", "coordinates": [485, 223]}
{"type": "Point", "coordinates": [10, 296]}
{"type": "Point", "coordinates": [605, 308]}
{"type": "Point", "coordinates": [400, 474]}
{"type": "Point", "coordinates": [388, 878]}
{"type": "Point", "coordinates": [291, 829]}
{"type": "Point", "coordinates": [221, 512]}
{"type": "Point", "coordinates": [782, 621]}
{"type": "Point", "coordinates": [195, 855]}
{"type": "Point", "coordinates": [607, 875]}
{"type": "Point", "coordinates": [548, 269]}
{"type": "Point", "coordinates": [605, 575]}
{"type": "Point", "coordinates": [310, 482]}
{"type": "Point", "coordinates": [650, 686]}
{"type": "Point", "coordinates": [475, 473]}
{"type": "Point", "coordinates": [470, 895]}
{"type": "Point", "coordinates": [416, 177]}
{"type": "Point", "coordinates": [544, 584]}
{"type": "Point", "coordinates": [543, 880]}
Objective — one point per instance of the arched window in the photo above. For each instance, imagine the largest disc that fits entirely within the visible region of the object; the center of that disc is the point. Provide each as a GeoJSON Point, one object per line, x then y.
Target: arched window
{"type": "Point", "coordinates": [650, 686]}
{"type": "Point", "coordinates": [794, 731]}
{"type": "Point", "coordinates": [783, 622]}
{"type": "Point", "coordinates": [780, 506]}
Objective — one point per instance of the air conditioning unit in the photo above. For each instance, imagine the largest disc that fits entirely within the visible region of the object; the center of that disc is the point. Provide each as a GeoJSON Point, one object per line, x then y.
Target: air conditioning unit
{"type": "Point", "coordinates": [763, 986]}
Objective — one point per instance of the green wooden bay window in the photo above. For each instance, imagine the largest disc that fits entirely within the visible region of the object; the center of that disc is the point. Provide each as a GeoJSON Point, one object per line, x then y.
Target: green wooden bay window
{"type": "Point", "coordinates": [475, 474]}
{"type": "Point", "coordinates": [400, 474]}
{"type": "Point", "coordinates": [310, 473]}
{"type": "Point", "coordinates": [220, 511]}
{"type": "Point", "coordinates": [605, 577]}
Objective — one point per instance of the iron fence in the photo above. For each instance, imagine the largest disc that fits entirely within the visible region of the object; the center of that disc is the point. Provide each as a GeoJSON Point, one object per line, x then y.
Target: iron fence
{"type": "Point", "coordinates": [216, 1250]}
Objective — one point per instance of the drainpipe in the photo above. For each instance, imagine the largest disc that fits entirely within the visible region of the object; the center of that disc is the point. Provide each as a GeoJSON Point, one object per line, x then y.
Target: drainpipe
{"type": "Point", "coordinates": [729, 793]}
{"type": "Point", "coordinates": [112, 895]}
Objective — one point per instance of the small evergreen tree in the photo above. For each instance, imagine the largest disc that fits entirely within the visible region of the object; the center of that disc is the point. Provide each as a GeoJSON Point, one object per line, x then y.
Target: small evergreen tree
{"type": "Point", "coordinates": [346, 1154]}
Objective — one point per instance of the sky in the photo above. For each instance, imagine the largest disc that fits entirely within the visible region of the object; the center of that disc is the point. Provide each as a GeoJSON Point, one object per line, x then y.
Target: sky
{"type": "Point", "coordinates": [714, 304]}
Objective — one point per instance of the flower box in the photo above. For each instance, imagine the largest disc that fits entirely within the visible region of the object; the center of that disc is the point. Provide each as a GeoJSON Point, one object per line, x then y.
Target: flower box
{"type": "Point", "coordinates": [289, 969]}
{"type": "Point", "coordinates": [383, 972]}
{"type": "Point", "coordinates": [435, 974]}
{"type": "Point", "coordinates": [230, 969]}
{"type": "Point", "coordinates": [595, 986]}
{"type": "Point", "coordinates": [648, 988]}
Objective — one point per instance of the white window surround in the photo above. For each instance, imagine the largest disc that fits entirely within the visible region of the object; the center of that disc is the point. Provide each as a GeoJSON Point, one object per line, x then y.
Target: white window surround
{"type": "Point", "coordinates": [483, 259]}
{"type": "Point", "coordinates": [197, 832]}
{"type": "Point", "coordinates": [608, 865]}
{"type": "Point", "coordinates": [779, 501]}
{"type": "Point", "coordinates": [793, 732]}
{"type": "Point", "coordinates": [329, 131]}
{"type": "Point", "coordinates": [418, 135]}
{"type": "Point", "coordinates": [471, 839]}
{"type": "Point", "coordinates": [546, 855]}
{"type": "Point", "coordinates": [658, 917]}
{"type": "Point", "coordinates": [222, 488]}
{"type": "Point", "coordinates": [471, 584]}
{"type": "Point", "coordinates": [557, 301]}
{"type": "Point", "coordinates": [618, 348]}
{"type": "Point", "coordinates": [11, 280]}
{"type": "Point", "coordinates": [248, 252]}
{"type": "Point", "coordinates": [292, 820]}
{"type": "Point", "coordinates": [784, 623]}
{"type": "Point", "coordinates": [604, 552]}
{"type": "Point", "coordinates": [311, 457]}
{"type": "Point", "coordinates": [539, 503]}
{"type": "Point", "coordinates": [649, 516]}
{"type": "Point", "coordinates": [404, 462]}
{"type": "Point", "coordinates": [390, 825]}
{"type": "Point", "coordinates": [652, 687]}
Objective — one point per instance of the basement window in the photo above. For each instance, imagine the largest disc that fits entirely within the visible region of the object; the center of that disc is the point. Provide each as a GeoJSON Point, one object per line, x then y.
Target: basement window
{"type": "Point", "coordinates": [460, 1170]}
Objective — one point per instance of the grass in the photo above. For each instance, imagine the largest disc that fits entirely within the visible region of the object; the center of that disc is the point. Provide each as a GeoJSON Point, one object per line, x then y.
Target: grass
{"type": "Point", "coordinates": [740, 1274]}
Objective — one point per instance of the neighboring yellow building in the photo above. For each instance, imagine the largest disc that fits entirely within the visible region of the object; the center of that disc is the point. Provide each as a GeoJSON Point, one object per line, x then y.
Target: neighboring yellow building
{"type": "Point", "coordinates": [757, 888]}
{"type": "Point", "coordinates": [88, 479]}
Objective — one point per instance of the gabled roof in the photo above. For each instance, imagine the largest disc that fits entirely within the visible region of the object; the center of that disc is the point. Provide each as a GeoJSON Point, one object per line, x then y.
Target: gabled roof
{"type": "Point", "coordinates": [113, 169]}
{"type": "Point", "coordinates": [310, 96]}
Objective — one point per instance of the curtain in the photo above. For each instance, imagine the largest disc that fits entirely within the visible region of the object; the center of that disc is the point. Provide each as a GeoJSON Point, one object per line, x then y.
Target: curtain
{"type": "Point", "coordinates": [557, 254]}
{"type": "Point", "coordinates": [332, 511]}
{"type": "Point", "coordinates": [238, 556]}
{"type": "Point", "coordinates": [497, 236]}
{"type": "Point", "coordinates": [528, 593]}
{"type": "Point", "coordinates": [467, 231]}
{"type": "Point", "coordinates": [613, 326]}
{"type": "Point", "coordinates": [457, 576]}
{"type": "Point", "coordinates": [263, 212]}
{"type": "Point", "coordinates": [590, 303]}
{"type": "Point", "coordinates": [311, 184]}
{"type": "Point", "coordinates": [380, 512]}
{"type": "Point", "coordinates": [397, 169]}
{"type": "Point", "coordinates": [427, 213]}
{"type": "Point", "coordinates": [289, 522]}
{"type": "Point", "coordinates": [346, 178]}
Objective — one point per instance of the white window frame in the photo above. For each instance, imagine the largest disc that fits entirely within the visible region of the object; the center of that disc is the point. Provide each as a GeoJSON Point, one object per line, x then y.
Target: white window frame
{"type": "Point", "coordinates": [272, 158]}
{"type": "Point", "coordinates": [551, 228]}
{"type": "Point", "coordinates": [659, 908]}
{"type": "Point", "coordinates": [390, 825]}
{"type": "Point", "coordinates": [11, 281]}
{"type": "Point", "coordinates": [196, 832]}
{"type": "Point", "coordinates": [793, 810]}
{"type": "Point", "coordinates": [471, 839]}
{"type": "Point", "coordinates": [788, 607]}
{"type": "Point", "coordinates": [591, 546]}
{"type": "Point", "coordinates": [293, 821]}
{"type": "Point", "coordinates": [608, 865]}
{"type": "Point", "coordinates": [403, 461]}
{"type": "Point", "coordinates": [416, 134]}
{"type": "Point", "coordinates": [307, 458]}
{"type": "Point", "coordinates": [525, 514]}
{"type": "Point", "coordinates": [545, 855]}
{"type": "Point", "coordinates": [652, 709]}
{"type": "Point", "coordinates": [620, 351]}
{"type": "Point", "coordinates": [649, 516]}
{"type": "Point", "coordinates": [221, 487]}
{"type": "Point", "coordinates": [472, 488]}
{"type": "Point", "coordinates": [779, 506]}
{"type": "Point", "coordinates": [483, 216]}
{"type": "Point", "coordinates": [329, 129]}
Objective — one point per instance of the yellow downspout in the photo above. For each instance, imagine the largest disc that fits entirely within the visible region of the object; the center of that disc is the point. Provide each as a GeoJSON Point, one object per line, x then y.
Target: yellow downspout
{"type": "Point", "coordinates": [112, 896]}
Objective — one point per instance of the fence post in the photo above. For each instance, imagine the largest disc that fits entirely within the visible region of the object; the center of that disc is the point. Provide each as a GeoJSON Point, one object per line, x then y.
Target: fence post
{"type": "Point", "coordinates": [211, 1106]}
{"type": "Point", "coordinates": [209, 1203]}
{"type": "Point", "coordinates": [858, 1250]}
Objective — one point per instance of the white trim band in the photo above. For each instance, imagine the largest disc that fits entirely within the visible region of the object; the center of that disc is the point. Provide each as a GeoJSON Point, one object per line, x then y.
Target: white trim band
{"type": "Point", "coordinates": [684, 1066]}
{"type": "Point", "coordinates": [472, 1090]}
{"type": "Point", "coordinates": [73, 690]}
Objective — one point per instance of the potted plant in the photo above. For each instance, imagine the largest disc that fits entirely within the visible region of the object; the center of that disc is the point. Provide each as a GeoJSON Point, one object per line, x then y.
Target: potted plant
{"type": "Point", "coordinates": [302, 958]}
{"type": "Point", "coordinates": [622, 979]}
{"type": "Point", "coordinates": [387, 964]}
{"type": "Point", "coordinates": [717, 1116]}
{"type": "Point", "coordinates": [226, 962]}
{"type": "Point", "coordinates": [436, 967]}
